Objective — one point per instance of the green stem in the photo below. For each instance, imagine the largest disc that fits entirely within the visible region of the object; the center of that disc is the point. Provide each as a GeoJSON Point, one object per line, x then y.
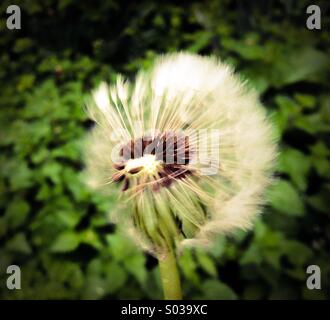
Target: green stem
{"type": "Point", "coordinates": [170, 277]}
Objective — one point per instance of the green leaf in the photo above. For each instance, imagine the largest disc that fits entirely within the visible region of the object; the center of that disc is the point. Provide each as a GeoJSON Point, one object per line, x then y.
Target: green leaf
{"type": "Point", "coordinates": [248, 49]}
{"type": "Point", "coordinates": [288, 109]}
{"type": "Point", "coordinates": [17, 212]}
{"type": "Point", "coordinates": [296, 165]}
{"type": "Point", "coordinates": [68, 218]}
{"type": "Point", "coordinates": [115, 277]}
{"type": "Point", "coordinates": [297, 64]}
{"type": "Point", "coordinates": [22, 44]}
{"type": "Point", "coordinates": [66, 242]}
{"type": "Point", "coordinates": [52, 170]}
{"type": "Point", "coordinates": [20, 175]}
{"type": "Point", "coordinates": [320, 154]}
{"type": "Point", "coordinates": [202, 40]}
{"type": "Point", "coordinates": [189, 267]}
{"type": "Point", "coordinates": [297, 253]}
{"type": "Point", "coordinates": [284, 198]}
{"type": "Point", "coordinates": [135, 265]}
{"type": "Point", "coordinates": [206, 263]}
{"type": "Point", "coordinates": [321, 200]}
{"type": "Point", "coordinates": [19, 244]}
{"type": "Point", "coordinates": [96, 287]}
{"type": "Point", "coordinates": [91, 237]}
{"type": "Point", "coordinates": [311, 123]}
{"type": "Point", "coordinates": [306, 100]}
{"type": "Point", "coordinates": [26, 81]}
{"type": "Point", "coordinates": [74, 184]}
{"type": "Point", "coordinates": [120, 247]}
{"type": "Point", "coordinates": [216, 290]}
{"type": "Point", "coordinates": [69, 150]}
{"type": "Point", "coordinates": [252, 255]}
{"type": "Point", "coordinates": [258, 81]}
{"type": "Point", "coordinates": [218, 247]}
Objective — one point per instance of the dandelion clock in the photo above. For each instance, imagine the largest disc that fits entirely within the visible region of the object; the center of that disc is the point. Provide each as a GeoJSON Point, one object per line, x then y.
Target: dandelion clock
{"type": "Point", "coordinates": [188, 150]}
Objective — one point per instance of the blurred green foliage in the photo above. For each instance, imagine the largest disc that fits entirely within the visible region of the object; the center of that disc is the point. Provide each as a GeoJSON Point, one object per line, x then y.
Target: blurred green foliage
{"type": "Point", "coordinates": [59, 233]}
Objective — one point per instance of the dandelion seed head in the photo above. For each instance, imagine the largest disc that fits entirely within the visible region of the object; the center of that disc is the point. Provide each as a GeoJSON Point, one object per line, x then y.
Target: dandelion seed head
{"type": "Point", "coordinates": [187, 147]}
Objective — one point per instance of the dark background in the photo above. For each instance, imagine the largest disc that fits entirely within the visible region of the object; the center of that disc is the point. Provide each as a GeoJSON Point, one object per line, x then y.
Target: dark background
{"type": "Point", "coordinates": [58, 231]}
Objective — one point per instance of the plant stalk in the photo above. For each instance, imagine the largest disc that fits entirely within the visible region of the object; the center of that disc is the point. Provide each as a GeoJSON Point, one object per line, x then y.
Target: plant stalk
{"type": "Point", "coordinates": [170, 276]}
